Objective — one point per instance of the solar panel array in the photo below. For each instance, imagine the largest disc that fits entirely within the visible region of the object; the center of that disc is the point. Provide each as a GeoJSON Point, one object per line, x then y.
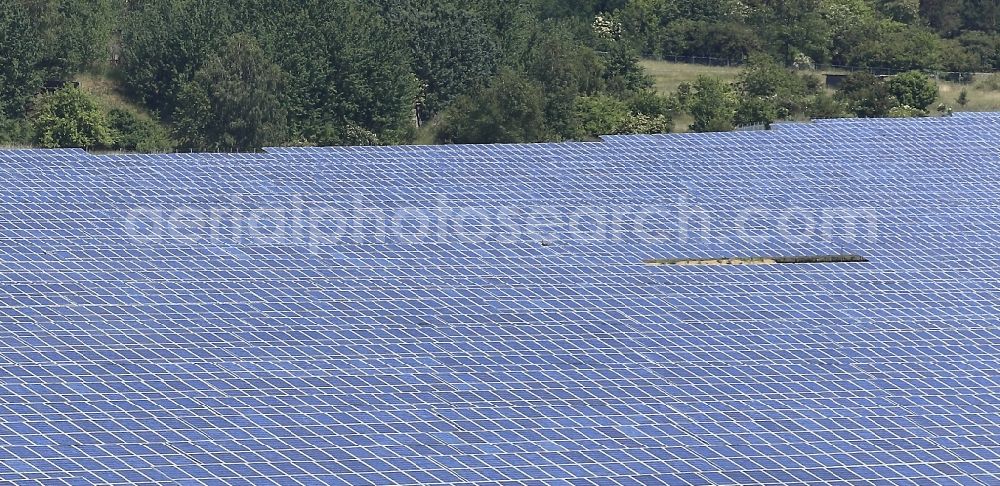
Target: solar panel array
{"type": "Point", "coordinates": [482, 314]}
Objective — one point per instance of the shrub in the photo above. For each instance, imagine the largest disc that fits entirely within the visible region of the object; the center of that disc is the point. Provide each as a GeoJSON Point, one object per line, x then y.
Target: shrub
{"type": "Point", "coordinates": [510, 110]}
{"type": "Point", "coordinates": [648, 102]}
{"type": "Point", "coordinates": [713, 105]}
{"type": "Point", "coordinates": [913, 89]}
{"type": "Point", "coordinates": [70, 118]}
{"type": "Point", "coordinates": [14, 131]}
{"type": "Point", "coordinates": [640, 123]}
{"type": "Point", "coordinates": [983, 48]}
{"type": "Point", "coordinates": [724, 40]}
{"type": "Point", "coordinates": [866, 95]}
{"type": "Point", "coordinates": [604, 115]}
{"type": "Point", "coordinates": [776, 92]}
{"type": "Point", "coordinates": [824, 106]}
{"type": "Point", "coordinates": [963, 98]}
{"type": "Point", "coordinates": [753, 111]}
{"type": "Point", "coordinates": [135, 134]}
{"type": "Point", "coordinates": [906, 111]}
{"type": "Point", "coordinates": [599, 115]}
{"type": "Point", "coordinates": [235, 102]}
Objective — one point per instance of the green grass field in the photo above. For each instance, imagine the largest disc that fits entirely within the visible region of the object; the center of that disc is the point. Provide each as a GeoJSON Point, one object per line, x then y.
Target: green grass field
{"type": "Point", "coordinates": [667, 76]}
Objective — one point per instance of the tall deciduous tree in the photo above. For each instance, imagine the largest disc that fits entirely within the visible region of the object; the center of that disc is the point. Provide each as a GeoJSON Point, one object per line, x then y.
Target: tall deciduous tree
{"type": "Point", "coordinates": [235, 101]}
{"type": "Point", "coordinates": [165, 41]}
{"type": "Point", "coordinates": [565, 69]}
{"type": "Point", "coordinates": [74, 34]}
{"type": "Point", "coordinates": [20, 52]}
{"type": "Point", "coordinates": [453, 49]}
{"type": "Point", "coordinates": [793, 27]}
{"type": "Point", "coordinates": [945, 16]}
{"type": "Point", "coordinates": [349, 70]}
{"type": "Point", "coordinates": [906, 11]}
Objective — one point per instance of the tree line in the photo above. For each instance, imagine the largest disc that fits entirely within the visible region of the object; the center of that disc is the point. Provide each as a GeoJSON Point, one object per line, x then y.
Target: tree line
{"type": "Point", "coordinates": [943, 35]}
{"type": "Point", "coordinates": [237, 75]}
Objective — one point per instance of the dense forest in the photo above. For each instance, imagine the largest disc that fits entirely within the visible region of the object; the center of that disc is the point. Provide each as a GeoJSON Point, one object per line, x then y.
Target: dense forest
{"type": "Point", "coordinates": [238, 75]}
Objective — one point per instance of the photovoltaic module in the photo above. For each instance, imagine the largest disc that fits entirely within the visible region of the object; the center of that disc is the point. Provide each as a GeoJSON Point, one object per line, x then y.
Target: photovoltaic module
{"type": "Point", "coordinates": [490, 314]}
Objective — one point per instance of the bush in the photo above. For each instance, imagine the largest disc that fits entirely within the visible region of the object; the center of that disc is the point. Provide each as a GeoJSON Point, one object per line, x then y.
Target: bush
{"type": "Point", "coordinates": [20, 52]}
{"type": "Point", "coordinates": [896, 46]}
{"type": "Point", "coordinates": [913, 89]}
{"type": "Point", "coordinates": [963, 98]}
{"type": "Point", "coordinates": [640, 123]}
{"type": "Point", "coordinates": [134, 134]}
{"type": "Point", "coordinates": [650, 103]}
{"type": "Point", "coordinates": [14, 131]}
{"type": "Point", "coordinates": [510, 110]}
{"type": "Point", "coordinates": [824, 106]}
{"type": "Point", "coordinates": [866, 95]}
{"type": "Point", "coordinates": [604, 115]}
{"type": "Point", "coordinates": [235, 102]}
{"type": "Point", "coordinates": [754, 111]}
{"type": "Point", "coordinates": [683, 96]}
{"type": "Point", "coordinates": [906, 111]}
{"type": "Point", "coordinates": [776, 92]}
{"type": "Point", "coordinates": [983, 48]}
{"type": "Point", "coordinates": [723, 40]}
{"type": "Point", "coordinates": [70, 118]}
{"type": "Point", "coordinates": [599, 115]}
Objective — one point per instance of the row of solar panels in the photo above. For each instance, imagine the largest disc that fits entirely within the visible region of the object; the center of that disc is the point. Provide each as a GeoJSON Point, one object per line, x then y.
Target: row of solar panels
{"type": "Point", "coordinates": [555, 359]}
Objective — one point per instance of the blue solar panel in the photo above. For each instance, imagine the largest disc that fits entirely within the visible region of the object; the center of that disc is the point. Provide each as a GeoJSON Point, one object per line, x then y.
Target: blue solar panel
{"type": "Point", "coordinates": [482, 314]}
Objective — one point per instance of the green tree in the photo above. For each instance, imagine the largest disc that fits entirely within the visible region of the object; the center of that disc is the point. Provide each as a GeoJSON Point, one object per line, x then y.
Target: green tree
{"type": "Point", "coordinates": [20, 52]}
{"type": "Point", "coordinates": [983, 48]}
{"type": "Point", "coordinates": [981, 15]}
{"type": "Point", "coordinates": [713, 105]}
{"type": "Point", "coordinates": [70, 118]}
{"type": "Point", "coordinates": [74, 34]}
{"type": "Point", "coordinates": [851, 22]}
{"type": "Point", "coordinates": [234, 102]}
{"type": "Point", "coordinates": [770, 92]}
{"type": "Point", "coordinates": [643, 22]}
{"type": "Point", "coordinates": [944, 16]}
{"type": "Point", "coordinates": [165, 41]}
{"type": "Point", "coordinates": [583, 8]}
{"type": "Point", "coordinates": [452, 50]}
{"type": "Point", "coordinates": [792, 27]}
{"type": "Point", "coordinates": [906, 11]}
{"type": "Point", "coordinates": [913, 89]}
{"type": "Point", "coordinates": [654, 27]}
{"type": "Point", "coordinates": [866, 95]}
{"type": "Point", "coordinates": [566, 69]}
{"type": "Point", "coordinates": [898, 46]}
{"type": "Point", "coordinates": [725, 40]}
{"type": "Point", "coordinates": [754, 111]}
{"type": "Point", "coordinates": [824, 106]}
{"type": "Point", "coordinates": [510, 110]}
{"type": "Point", "coordinates": [511, 24]}
{"type": "Point", "coordinates": [622, 71]}
{"type": "Point", "coordinates": [348, 68]}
